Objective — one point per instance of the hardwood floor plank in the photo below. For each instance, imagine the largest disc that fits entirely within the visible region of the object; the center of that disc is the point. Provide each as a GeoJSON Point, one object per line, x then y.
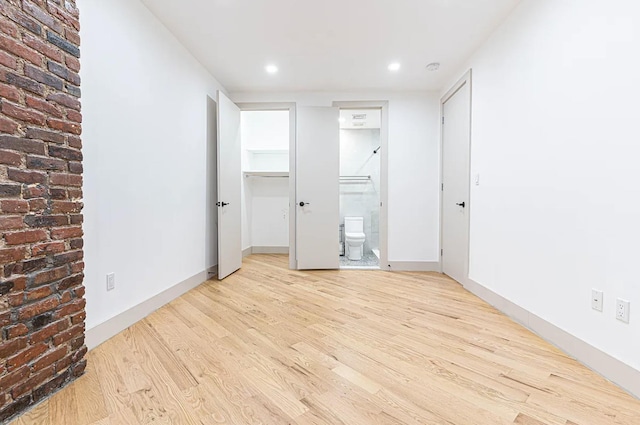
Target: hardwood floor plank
{"type": "Point", "coordinates": [272, 346]}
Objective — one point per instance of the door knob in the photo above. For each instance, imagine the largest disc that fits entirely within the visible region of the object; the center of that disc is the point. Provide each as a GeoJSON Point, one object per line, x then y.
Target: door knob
{"type": "Point", "coordinates": [302, 204]}
{"type": "Point", "coordinates": [222, 204]}
{"type": "Point", "coordinates": [461, 204]}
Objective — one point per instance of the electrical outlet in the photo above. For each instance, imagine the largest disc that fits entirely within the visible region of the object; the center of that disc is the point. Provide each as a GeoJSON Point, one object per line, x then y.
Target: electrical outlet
{"type": "Point", "coordinates": [596, 299]}
{"type": "Point", "coordinates": [111, 281]}
{"type": "Point", "coordinates": [622, 310]}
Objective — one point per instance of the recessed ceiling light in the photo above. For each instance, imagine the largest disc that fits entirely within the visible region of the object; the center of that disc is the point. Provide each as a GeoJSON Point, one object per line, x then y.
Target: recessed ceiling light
{"type": "Point", "coordinates": [395, 66]}
{"type": "Point", "coordinates": [433, 66]}
{"type": "Point", "coordinates": [271, 69]}
{"type": "Point", "coordinates": [342, 120]}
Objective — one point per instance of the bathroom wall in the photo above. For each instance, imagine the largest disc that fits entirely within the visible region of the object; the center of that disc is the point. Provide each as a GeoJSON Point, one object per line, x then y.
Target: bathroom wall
{"type": "Point", "coordinates": [361, 198]}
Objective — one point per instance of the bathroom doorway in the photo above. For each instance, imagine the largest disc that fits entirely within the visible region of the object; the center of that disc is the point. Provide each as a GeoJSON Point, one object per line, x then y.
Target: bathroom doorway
{"type": "Point", "coordinates": [360, 194]}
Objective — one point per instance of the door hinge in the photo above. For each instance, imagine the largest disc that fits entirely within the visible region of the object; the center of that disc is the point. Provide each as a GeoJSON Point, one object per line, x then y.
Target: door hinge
{"type": "Point", "coordinates": [442, 120]}
{"type": "Point", "coordinates": [441, 252]}
{"type": "Point", "coordinates": [442, 187]}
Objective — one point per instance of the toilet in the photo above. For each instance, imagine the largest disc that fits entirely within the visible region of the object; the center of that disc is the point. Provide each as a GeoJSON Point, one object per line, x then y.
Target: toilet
{"type": "Point", "coordinates": [354, 237]}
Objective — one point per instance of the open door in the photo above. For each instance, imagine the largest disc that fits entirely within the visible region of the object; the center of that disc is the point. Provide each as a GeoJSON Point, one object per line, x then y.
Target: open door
{"type": "Point", "coordinates": [456, 124]}
{"type": "Point", "coordinates": [317, 188]}
{"type": "Point", "coordinates": [229, 187]}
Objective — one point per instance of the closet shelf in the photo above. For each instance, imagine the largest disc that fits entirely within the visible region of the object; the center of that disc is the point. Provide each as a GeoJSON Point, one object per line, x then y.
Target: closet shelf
{"type": "Point", "coordinates": [281, 151]}
{"type": "Point", "coordinates": [266, 173]}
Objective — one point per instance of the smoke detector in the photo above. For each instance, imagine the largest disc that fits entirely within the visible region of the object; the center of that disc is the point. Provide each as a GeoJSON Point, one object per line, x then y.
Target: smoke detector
{"type": "Point", "coordinates": [433, 66]}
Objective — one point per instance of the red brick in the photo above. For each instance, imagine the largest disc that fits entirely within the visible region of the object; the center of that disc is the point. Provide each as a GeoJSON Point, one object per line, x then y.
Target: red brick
{"type": "Point", "coordinates": [20, 283]}
{"type": "Point", "coordinates": [65, 298]}
{"type": "Point", "coordinates": [67, 335]}
{"type": "Point", "coordinates": [72, 36]}
{"type": "Point", "coordinates": [11, 255]}
{"type": "Point", "coordinates": [27, 236]}
{"type": "Point", "coordinates": [62, 179]}
{"type": "Point", "coordinates": [46, 49]}
{"type": "Point", "coordinates": [7, 126]}
{"type": "Point", "coordinates": [34, 191]}
{"type": "Point", "coordinates": [77, 267]}
{"type": "Point", "coordinates": [37, 205]}
{"type": "Point", "coordinates": [43, 106]}
{"type": "Point", "coordinates": [8, 381]}
{"type": "Point", "coordinates": [40, 293]}
{"type": "Point", "coordinates": [78, 318]}
{"type": "Point", "coordinates": [49, 358]}
{"type": "Point", "coordinates": [66, 207]}
{"type": "Point", "coordinates": [9, 92]}
{"type": "Point", "coordinates": [48, 331]}
{"type": "Point", "coordinates": [51, 275]}
{"type": "Point", "coordinates": [9, 28]}
{"type": "Point", "coordinates": [18, 49]}
{"type": "Point", "coordinates": [64, 16]}
{"type": "Point", "coordinates": [79, 292]}
{"type": "Point", "coordinates": [70, 308]}
{"type": "Point", "coordinates": [72, 63]}
{"type": "Point", "coordinates": [47, 248]}
{"type": "Point", "coordinates": [75, 194]}
{"type": "Point", "coordinates": [23, 114]}
{"type": "Point", "coordinates": [42, 15]}
{"type": "Point", "coordinates": [11, 223]}
{"type": "Point", "coordinates": [33, 382]}
{"type": "Point", "coordinates": [8, 60]}
{"type": "Point", "coordinates": [25, 356]}
{"type": "Point", "coordinates": [66, 233]}
{"type": "Point", "coordinates": [32, 310]}
{"type": "Point", "coordinates": [74, 116]}
{"type": "Point", "coordinates": [75, 142]}
{"type": "Point", "coordinates": [5, 319]}
{"type": "Point", "coordinates": [23, 145]}
{"type": "Point", "coordinates": [18, 330]}
{"type": "Point", "coordinates": [10, 158]}
{"type": "Point", "coordinates": [9, 347]}
{"type": "Point", "coordinates": [14, 206]}
{"type": "Point", "coordinates": [29, 177]}
{"type": "Point", "coordinates": [67, 127]}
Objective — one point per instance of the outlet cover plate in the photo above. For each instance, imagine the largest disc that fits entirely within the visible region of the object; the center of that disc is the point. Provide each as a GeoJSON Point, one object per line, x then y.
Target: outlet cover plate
{"type": "Point", "coordinates": [622, 310]}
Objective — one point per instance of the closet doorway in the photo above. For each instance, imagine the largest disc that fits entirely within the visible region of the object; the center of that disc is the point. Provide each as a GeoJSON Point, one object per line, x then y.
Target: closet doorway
{"type": "Point", "coordinates": [265, 138]}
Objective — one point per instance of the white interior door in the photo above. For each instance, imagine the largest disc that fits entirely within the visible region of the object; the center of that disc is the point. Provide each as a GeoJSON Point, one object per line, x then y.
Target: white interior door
{"type": "Point", "coordinates": [229, 187]}
{"type": "Point", "coordinates": [455, 182]}
{"type": "Point", "coordinates": [317, 188]}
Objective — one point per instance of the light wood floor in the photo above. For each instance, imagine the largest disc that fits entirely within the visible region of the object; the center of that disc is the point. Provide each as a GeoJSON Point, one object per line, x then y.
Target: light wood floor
{"type": "Point", "coordinates": [274, 346]}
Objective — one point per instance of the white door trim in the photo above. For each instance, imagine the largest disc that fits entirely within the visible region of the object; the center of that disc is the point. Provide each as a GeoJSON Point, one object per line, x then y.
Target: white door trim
{"type": "Point", "coordinates": [464, 80]}
{"type": "Point", "coordinates": [291, 107]}
{"type": "Point", "coordinates": [383, 105]}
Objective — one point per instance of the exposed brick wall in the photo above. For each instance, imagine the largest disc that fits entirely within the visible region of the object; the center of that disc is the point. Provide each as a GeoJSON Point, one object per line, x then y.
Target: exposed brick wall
{"type": "Point", "coordinates": [41, 259]}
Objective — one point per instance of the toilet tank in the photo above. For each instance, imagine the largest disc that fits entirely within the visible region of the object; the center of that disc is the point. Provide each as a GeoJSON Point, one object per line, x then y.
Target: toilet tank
{"type": "Point", "coordinates": [354, 225]}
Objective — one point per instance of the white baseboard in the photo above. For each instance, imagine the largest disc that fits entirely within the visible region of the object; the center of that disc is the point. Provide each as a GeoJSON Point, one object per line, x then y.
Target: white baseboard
{"type": "Point", "coordinates": [412, 266]}
{"type": "Point", "coordinates": [102, 332]}
{"type": "Point", "coordinates": [247, 252]}
{"type": "Point", "coordinates": [618, 372]}
{"type": "Point", "coordinates": [270, 250]}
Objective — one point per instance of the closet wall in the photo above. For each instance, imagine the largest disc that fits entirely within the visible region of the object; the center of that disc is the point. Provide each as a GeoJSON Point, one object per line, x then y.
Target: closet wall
{"type": "Point", "coordinates": [265, 182]}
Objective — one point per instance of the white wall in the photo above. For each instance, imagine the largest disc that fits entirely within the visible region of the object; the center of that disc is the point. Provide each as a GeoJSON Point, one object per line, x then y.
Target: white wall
{"type": "Point", "coordinates": [555, 139]}
{"type": "Point", "coordinates": [413, 165]}
{"type": "Point", "coordinates": [147, 158]}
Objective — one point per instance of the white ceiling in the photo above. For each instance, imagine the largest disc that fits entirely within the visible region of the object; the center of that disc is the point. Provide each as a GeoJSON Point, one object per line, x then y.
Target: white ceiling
{"type": "Point", "coordinates": [331, 45]}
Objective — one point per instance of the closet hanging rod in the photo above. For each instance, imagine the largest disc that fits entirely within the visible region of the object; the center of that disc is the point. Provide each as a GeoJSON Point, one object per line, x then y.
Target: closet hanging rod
{"type": "Point", "coordinates": [356, 177]}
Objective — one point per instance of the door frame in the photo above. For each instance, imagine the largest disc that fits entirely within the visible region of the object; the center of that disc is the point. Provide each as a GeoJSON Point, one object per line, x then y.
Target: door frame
{"type": "Point", "coordinates": [383, 106]}
{"type": "Point", "coordinates": [466, 79]}
{"type": "Point", "coordinates": [291, 107]}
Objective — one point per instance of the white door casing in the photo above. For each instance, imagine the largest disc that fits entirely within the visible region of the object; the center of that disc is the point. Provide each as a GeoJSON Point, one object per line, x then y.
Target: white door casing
{"type": "Point", "coordinates": [229, 187]}
{"type": "Point", "coordinates": [317, 187]}
{"type": "Point", "coordinates": [456, 138]}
